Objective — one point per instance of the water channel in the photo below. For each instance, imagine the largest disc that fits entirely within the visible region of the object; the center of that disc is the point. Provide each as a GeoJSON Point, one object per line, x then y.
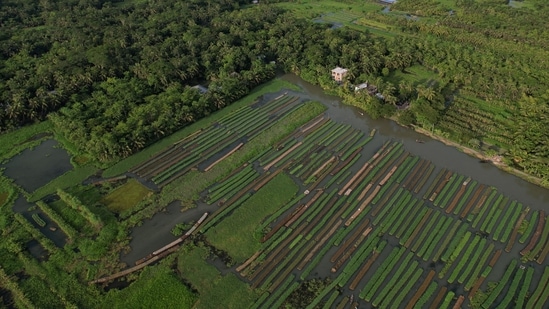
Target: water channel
{"type": "Point", "coordinates": [155, 232]}
{"type": "Point", "coordinates": [440, 154]}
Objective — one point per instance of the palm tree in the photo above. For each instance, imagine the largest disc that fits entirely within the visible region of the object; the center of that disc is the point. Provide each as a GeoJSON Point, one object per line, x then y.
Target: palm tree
{"type": "Point", "coordinates": [425, 92]}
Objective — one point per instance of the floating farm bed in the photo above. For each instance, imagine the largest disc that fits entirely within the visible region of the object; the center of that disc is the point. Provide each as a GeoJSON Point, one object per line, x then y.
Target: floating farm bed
{"type": "Point", "coordinates": [355, 200]}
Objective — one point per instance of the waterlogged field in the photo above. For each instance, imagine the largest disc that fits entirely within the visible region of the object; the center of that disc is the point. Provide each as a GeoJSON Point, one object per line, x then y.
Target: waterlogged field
{"type": "Point", "coordinates": [308, 212]}
{"type": "Point", "coordinates": [387, 229]}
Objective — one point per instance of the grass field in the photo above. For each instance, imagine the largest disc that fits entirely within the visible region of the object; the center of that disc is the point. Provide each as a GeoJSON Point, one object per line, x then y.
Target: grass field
{"type": "Point", "coordinates": [237, 234]}
{"type": "Point", "coordinates": [145, 154]}
{"type": "Point", "coordinates": [415, 74]}
{"type": "Point", "coordinates": [157, 287]}
{"type": "Point", "coordinates": [125, 196]}
{"type": "Point", "coordinates": [313, 9]}
{"type": "Point", "coordinates": [215, 290]}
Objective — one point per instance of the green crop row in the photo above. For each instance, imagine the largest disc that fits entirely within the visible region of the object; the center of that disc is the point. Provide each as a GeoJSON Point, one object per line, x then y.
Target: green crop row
{"type": "Point", "coordinates": [452, 191]}
{"type": "Point", "coordinates": [396, 288]}
{"type": "Point", "coordinates": [397, 198]}
{"type": "Point", "coordinates": [232, 181]}
{"type": "Point", "coordinates": [482, 210]}
{"type": "Point", "coordinates": [402, 228]}
{"type": "Point", "coordinates": [356, 261]}
{"type": "Point", "coordinates": [349, 209]}
{"type": "Point", "coordinates": [425, 230]}
{"type": "Point", "coordinates": [395, 150]}
{"type": "Point", "coordinates": [324, 219]}
{"type": "Point", "coordinates": [229, 181]}
{"type": "Point", "coordinates": [427, 295]}
{"type": "Point", "coordinates": [312, 209]}
{"type": "Point", "coordinates": [282, 210]}
{"type": "Point", "coordinates": [410, 230]}
{"type": "Point", "coordinates": [328, 304]}
{"type": "Point", "coordinates": [474, 260]}
{"type": "Point", "coordinates": [449, 259]}
{"type": "Point", "coordinates": [465, 258]}
{"type": "Point", "coordinates": [493, 210]}
{"type": "Point", "coordinates": [313, 159]}
{"type": "Point", "coordinates": [449, 188]}
{"type": "Point", "coordinates": [446, 187]}
{"type": "Point", "coordinates": [404, 290]}
{"type": "Point", "coordinates": [478, 267]}
{"type": "Point", "coordinates": [322, 294]}
{"type": "Point", "coordinates": [540, 244]}
{"type": "Point", "coordinates": [455, 248]}
{"type": "Point", "coordinates": [349, 141]}
{"type": "Point", "coordinates": [278, 293]}
{"type": "Point", "coordinates": [510, 225]}
{"type": "Point", "coordinates": [281, 265]}
{"type": "Point", "coordinates": [234, 187]}
{"type": "Point", "coordinates": [395, 278]}
{"type": "Point", "coordinates": [434, 237]}
{"type": "Point", "coordinates": [351, 227]}
{"type": "Point", "coordinates": [395, 212]}
{"type": "Point", "coordinates": [465, 197]}
{"type": "Point", "coordinates": [521, 297]}
{"type": "Point", "coordinates": [510, 294]}
{"type": "Point", "coordinates": [407, 207]}
{"type": "Point", "coordinates": [405, 169]}
{"type": "Point", "coordinates": [447, 300]}
{"type": "Point", "coordinates": [501, 285]}
{"type": "Point", "coordinates": [447, 239]}
{"type": "Point", "coordinates": [531, 225]}
{"type": "Point", "coordinates": [382, 273]}
{"type": "Point", "coordinates": [433, 184]}
{"type": "Point", "coordinates": [455, 240]}
{"type": "Point", "coordinates": [77, 205]}
{"type": "Point", "coordinates": [333, 134]}
{"type": "Point", "coordinates": [321, 202]}
{"type": "Point", "coordinates": [541, 292]}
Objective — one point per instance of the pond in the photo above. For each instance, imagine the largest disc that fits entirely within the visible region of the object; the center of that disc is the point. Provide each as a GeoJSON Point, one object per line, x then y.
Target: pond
{"type": "Point", "coordinates": [51, 230]}
{"type": "Point", "coordinates": [33, 168]}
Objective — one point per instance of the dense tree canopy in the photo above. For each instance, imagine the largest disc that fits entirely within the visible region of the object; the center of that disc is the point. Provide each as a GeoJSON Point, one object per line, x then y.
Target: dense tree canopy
{"type": "Point", "coordinates": [120, 74]}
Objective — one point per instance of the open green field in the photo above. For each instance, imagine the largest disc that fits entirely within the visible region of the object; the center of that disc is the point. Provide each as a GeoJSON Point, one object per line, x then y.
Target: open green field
{"type": "Point", "coordinates": [216, 290]}
{"type": "Point", "coordinates": [314, 9]}
{"type": "Point", "coordinates": [126, 196]}
{"type": "Point", "coordinates": [238, 234]}
{"type": "Point", "coordinates": [416, 74]}
{"type": "Point", "coordinates": [157, 287]}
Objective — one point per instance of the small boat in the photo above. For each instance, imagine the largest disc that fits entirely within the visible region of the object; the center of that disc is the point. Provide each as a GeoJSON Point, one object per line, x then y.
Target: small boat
{"type": "Point", "coordinates": [420, 141]}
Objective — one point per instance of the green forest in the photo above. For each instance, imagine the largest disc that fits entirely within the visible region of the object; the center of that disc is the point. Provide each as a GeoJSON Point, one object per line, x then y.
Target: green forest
{"type": "Point", "coordinates": [120, 85]}
{"type": "Point", "coordinates": [115, 76]}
